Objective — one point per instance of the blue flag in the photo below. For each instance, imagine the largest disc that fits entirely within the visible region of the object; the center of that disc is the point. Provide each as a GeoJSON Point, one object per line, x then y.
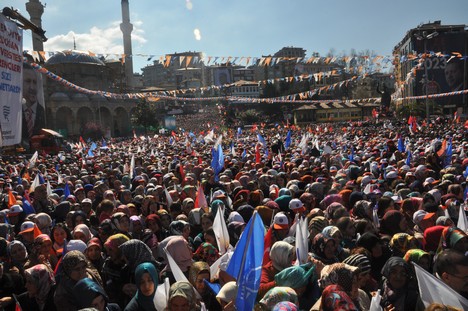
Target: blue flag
{"type": "Point", "coordinates": [448, 154]}
{"type": "Point", "coordinates": [41, 179]}
{"type": "Point", "coordinates": [239, 131]}
{"type": "Point", "coordinates": [351, 155]}
{"type": "Point", "coordinates": [90, 153]}
{"type": "Point", "coordinates": [287, 142]}
{"type": "Point", "coordinates": [261, 139]}
{"type": "Point", "coordinates": [465, 193]}
{"type": "Point", "coordinates": [66, 192]}
{"type": "Point", "coordinates": [244, 155]}
{"type": "Point", "coordinates": [408, 158]}
{"type": "Point", "coordinates": [217, 161]}
{"type": "Point", "coordinates": [27, 207]}
{"type": "Point", "coordinates": [246, 263]}
{"type": "Point", "coordinates": [104, 144]}
{"type": "Point", "coordinates": [401, 144]}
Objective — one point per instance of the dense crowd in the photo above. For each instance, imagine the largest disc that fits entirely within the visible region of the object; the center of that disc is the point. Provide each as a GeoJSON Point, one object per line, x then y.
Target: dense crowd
{"type": "Point", "coordinates": [80, 231]}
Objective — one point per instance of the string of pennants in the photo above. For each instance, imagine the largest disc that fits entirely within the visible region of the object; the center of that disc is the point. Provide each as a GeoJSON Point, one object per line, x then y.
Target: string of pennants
{"type": "Point", "coordinates": [167, 60]}
{"type": "Point", "coordinates": [171, 96]}
{"type": "Point", "coordinates": [303, 77]}
{"type": "Point", "coordinates": [187, 60]}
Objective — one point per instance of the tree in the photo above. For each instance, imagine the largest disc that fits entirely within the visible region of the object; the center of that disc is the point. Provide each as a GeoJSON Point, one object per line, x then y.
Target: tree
{"type": "Point", "coordinates": [144, 114]}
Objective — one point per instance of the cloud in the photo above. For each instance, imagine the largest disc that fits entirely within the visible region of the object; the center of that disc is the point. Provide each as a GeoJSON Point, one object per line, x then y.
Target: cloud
{"type": "Point", "coordinates": [104, 41]}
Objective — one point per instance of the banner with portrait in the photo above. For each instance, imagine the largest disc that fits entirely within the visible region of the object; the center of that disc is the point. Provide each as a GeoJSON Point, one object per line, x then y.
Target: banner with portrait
{"type": "Point", "coordinates": [445, 73]}
{"type": "Point", "coordinates": [11, 76]}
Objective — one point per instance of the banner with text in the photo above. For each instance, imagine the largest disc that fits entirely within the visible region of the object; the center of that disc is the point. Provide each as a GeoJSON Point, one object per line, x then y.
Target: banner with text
{"type": "Point", "coordinates": [11, 80]}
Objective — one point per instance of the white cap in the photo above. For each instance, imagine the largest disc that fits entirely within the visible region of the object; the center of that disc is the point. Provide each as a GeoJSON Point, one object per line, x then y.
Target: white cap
{"type": "Point", "coordinates": [295, 204]}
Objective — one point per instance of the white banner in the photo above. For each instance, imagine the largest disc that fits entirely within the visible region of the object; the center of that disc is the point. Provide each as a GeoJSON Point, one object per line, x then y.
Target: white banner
{"type": "Point", "coordinates": [11, 80]}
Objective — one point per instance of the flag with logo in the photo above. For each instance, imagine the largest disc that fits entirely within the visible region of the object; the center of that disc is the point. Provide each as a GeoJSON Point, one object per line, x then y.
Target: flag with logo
{"type": "Point", "coordinates": [246, 263]}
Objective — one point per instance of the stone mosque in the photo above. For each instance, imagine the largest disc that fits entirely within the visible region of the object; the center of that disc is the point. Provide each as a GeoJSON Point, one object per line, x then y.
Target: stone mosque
{"type": "Point", "coordinates": [68, 111]}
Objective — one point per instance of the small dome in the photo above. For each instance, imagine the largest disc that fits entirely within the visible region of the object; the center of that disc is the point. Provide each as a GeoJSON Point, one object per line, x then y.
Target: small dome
{"type": "Point", "coordinates": [80, 97]}
{"type": "Point", "coordinates": [59, 96]}
{"type": "Point", "coordinates": [73, 57]}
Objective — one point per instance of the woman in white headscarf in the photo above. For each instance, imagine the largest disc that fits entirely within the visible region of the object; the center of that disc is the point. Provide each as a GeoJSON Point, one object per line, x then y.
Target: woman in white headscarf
{"type": "Point", "coordinates": [282, 255]}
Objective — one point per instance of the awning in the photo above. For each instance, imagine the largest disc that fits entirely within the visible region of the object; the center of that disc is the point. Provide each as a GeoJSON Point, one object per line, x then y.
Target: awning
{"type": "Point", "coordinates": [51, 132]}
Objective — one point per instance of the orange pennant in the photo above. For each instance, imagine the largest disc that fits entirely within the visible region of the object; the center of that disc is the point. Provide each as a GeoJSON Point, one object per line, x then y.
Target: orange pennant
{"type": "Point", "coordinates": [11, 199]}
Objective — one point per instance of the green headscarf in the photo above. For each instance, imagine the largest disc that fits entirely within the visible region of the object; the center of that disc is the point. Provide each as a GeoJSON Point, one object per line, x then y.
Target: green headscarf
{"type": "Point", "coordinates": [146, 302]}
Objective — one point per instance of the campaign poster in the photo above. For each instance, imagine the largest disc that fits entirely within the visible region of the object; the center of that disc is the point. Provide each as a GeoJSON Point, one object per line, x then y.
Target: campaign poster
{"type": "Point", "coordinates": [170, 122]}
{"type": "Point", "coordinates": [222, 76]}
{"type": "Point", "coordinates": [11, 80]}
{"type": "Point", "coordinates": [445, 73]}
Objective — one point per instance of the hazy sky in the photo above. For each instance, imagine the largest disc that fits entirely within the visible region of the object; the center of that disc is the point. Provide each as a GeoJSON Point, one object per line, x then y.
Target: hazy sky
{"type": "Point", "coordinates": [238, 28]}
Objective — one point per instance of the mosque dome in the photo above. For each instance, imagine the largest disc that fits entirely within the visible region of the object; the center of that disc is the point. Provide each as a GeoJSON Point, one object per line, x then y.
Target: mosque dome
{"type": "Point", "coordinates": [74, 57]}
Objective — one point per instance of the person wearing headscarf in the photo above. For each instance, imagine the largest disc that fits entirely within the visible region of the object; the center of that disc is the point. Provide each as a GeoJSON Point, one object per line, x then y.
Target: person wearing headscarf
{"type": "Point", "coordinates": [432, 237]}
{"type": "Point", "coordinates": [182, 297]}
{"type": "Point", "coordinates": [42, 252]}
{"type": "Point", "coordinates": [94, 253]}
{"type": "Point", "coordinates": [146, 280]}
{"type": "Point", "coordinates": [198, 273]}
{"type": "Point", "coordinates": [180, 251]}
{"type": "Point", "coordinates": [206, 252]}
{"type": "Point", "coordinates": [285, 306]}
{"type": "Point", "coordinates": [278, 294]}
{"type": "Point", "coordinates": [401, 243]}
{"type": "Point", "coordinates": [282, 255]}
{"type": "Point", "coordinates": [89, 294]}
{"type": "Point", "coordinates": [115, 272]}
{"type": "Point", "coordinates": [393, 222]}
{"type": "Point", "coordinates": [378, 250]}
{"type": "Point", "coordinates": [40, 286]}
{"type": "Point", "coordinates": [121, 223]}
{"type": "Point", "coordinates": [419, 257]}
{"type": "Point", "coordinates": [397, 289]}
{"type": "Point", "coordinates": [43, 222]}
{"type": "Point", "coordinates": [334, 298]}
{"type": "Point", "coordinates": [365, 281]}
{"type": "Point", "coordinates": [74, 267]}
{"type": "Point", "coordinates": [454, 238]}
{"type": "Point", "coordinates": [18, 255]}
{"type": "Point", "coordinates": [135, 252]}
{"type": "Point", "coordinates": [333, 232]}
{"type": "Point", "coordinates": [324, 249]}
{"type": "Point", "coordinates": [346, 277]}
{"type": "Point", "coordinates": [301, 279]}
{"type": "Point", "coordinates": [82, 232]}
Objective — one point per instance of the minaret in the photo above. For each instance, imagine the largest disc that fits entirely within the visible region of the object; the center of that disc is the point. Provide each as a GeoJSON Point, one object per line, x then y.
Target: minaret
{"type": "Point", "coordinates": [127, 28]}
{"type": "Point", "coordinates": [35, 9]}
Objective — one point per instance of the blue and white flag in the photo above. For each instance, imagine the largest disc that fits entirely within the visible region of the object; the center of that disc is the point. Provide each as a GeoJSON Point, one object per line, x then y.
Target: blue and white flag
{"type": "Point", "coordinates": [246, 263]}
{"type": "Point", "coordinates": [287, 142]}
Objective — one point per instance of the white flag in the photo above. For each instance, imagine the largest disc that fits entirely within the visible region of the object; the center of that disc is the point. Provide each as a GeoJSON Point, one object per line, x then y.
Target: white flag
{"type": "Point", "coordinates": [33, 160]}
{"type": "Point", "coordinates": [432, 290]}
{"type": "Point", "coordinates": [462, 221]}
{"type": "Point", "coordinates": [221, 231]}
{"type": "Point", "coordinates": [35, 183]}
{"type": "Point", "coordinates": [177, 272]}
{"type": "Point", "coordinates": [162, 295]}
{"type": "Point", "coordinates": [168, 197]}
{"type": "Point", "coordinates": [49, 189]}
{"type": "Point", "coordinates": [132, 166]}
{"type": "Point", "coordinates": [301, 241]}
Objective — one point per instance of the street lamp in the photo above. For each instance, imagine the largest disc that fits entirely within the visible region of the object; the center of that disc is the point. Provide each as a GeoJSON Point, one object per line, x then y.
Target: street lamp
{"type": "Point", "coordinates": [425, 36]}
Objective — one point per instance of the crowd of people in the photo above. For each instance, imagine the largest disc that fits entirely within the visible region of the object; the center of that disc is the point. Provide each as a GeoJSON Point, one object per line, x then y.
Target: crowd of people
{"type": "Point", "coordinates": [80, 231]}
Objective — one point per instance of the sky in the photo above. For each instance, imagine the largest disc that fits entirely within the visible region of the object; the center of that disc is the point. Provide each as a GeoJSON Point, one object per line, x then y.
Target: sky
{"type": "Point", "coordinates": [239, 28]}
